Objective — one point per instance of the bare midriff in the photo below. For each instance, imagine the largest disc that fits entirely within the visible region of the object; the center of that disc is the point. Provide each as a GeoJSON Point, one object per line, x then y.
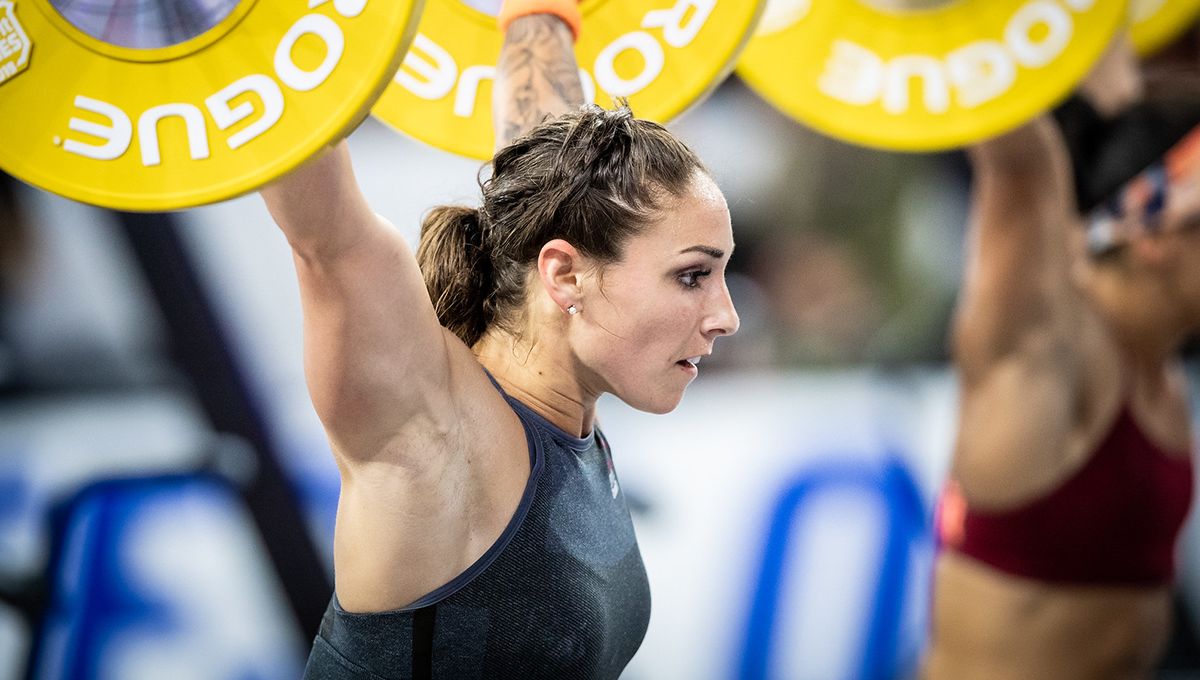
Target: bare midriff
{"type": "Point", "coordinates": [989, 625]}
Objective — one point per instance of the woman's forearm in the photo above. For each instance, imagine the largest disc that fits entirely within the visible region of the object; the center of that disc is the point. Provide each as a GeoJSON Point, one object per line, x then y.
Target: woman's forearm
{"type": "Point", "coordinates": [536, 76]}
{"type": "Point", "coordinates": [319, 206]}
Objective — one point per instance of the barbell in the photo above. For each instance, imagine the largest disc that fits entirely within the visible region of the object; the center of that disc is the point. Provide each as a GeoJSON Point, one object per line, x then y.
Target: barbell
{"type": "Point", "coordinates": [661, 55]}
{"type": "Point", "coordinates": [191, 103]}
{"type": "Point", "coordinates": [925, 79]}
{"type": "Point", "coordinates": [1157, 23]}
{"type": "Point", "coordinates": [182, 104]}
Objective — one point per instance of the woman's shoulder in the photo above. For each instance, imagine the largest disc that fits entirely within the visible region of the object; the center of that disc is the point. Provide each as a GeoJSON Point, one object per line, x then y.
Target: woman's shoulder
{"type": "Point", "coordinates": [439, 493]}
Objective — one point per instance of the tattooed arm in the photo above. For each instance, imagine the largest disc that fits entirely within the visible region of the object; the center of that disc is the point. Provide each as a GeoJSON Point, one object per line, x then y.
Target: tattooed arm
{"type": "Point", "coordinates": [536, 77]}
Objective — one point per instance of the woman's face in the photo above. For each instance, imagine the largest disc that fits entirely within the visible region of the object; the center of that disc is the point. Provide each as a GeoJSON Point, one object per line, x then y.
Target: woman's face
{"type": "Point", "coordinates": [1181, 237]}
{"type": "Point", "coordinates": [1179, 234]}
{"type": "Point", "coordinates": [1160, 222]}
{"type": "Point", "coordinates": [645, 320]}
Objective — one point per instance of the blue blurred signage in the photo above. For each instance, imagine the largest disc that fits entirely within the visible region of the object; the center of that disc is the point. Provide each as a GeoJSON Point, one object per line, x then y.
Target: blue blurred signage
{"type": "Point", "coordinates": [906, 524]}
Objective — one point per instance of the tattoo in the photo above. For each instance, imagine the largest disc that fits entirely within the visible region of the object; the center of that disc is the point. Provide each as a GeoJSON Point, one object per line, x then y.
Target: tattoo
{"type": "Point", "coordinates": [536, 77]}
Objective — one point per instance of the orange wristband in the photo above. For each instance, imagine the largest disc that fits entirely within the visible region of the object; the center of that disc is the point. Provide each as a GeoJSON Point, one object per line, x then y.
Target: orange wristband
{"type": "Point", "coordinates": [567, 10]}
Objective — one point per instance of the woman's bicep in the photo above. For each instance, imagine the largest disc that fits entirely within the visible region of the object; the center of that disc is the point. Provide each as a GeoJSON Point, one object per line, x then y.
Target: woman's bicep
{"type": "Point", "coordinates": [375, 355]}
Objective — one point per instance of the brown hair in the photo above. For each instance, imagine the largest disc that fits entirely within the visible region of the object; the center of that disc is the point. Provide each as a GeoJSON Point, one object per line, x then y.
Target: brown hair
{"type": "Point", "coordinates": [591, 177]}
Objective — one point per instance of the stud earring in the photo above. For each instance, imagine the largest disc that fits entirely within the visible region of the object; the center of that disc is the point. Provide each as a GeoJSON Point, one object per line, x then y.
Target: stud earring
{"type": "Point", "coordinates": [572, 311]}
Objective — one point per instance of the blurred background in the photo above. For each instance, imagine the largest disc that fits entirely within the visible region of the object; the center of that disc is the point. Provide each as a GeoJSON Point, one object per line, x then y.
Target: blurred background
{"type": "Point", "coordinates": [167, 494]}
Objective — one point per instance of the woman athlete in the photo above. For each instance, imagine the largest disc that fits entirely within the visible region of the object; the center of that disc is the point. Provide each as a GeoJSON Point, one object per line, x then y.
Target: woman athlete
{"type": "Point", "coordinates": [1072, 474]}
{"type": "Point", "coordinates": [481, 532]}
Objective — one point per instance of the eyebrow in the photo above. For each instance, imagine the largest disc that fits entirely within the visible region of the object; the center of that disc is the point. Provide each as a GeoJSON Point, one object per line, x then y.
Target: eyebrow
{"type": "Point", "coordinates": [715, 253]}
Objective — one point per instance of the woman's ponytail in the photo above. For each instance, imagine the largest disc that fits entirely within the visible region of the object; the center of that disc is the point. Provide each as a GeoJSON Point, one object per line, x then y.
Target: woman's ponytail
{"type": "Point", "coordinates": [457, 269]}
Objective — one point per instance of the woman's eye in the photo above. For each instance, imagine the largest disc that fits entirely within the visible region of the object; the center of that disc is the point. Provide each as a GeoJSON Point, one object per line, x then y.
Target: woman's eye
{"type": "Point", "coordinates": [692, 279]}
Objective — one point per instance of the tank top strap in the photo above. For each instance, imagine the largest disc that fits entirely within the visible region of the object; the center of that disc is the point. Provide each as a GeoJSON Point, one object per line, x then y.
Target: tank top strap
{"type": "Point", "coordinates": [540, 423]}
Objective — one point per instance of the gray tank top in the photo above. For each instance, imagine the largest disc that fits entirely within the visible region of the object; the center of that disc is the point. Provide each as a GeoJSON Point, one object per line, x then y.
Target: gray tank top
{"type": "Point", "coordinates": [562, 594]}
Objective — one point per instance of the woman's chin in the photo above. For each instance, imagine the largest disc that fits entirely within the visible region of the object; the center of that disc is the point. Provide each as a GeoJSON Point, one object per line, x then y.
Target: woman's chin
{"type": "Point", "coordinates": [658, 403]}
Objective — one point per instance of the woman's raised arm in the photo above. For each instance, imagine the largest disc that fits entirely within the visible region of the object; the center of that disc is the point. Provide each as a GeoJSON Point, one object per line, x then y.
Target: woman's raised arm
{"type": "Point", "coordinates": [1019, 297]}
{"type": "Point", "coordinates": [1018, 291]}
{"type": "Point", "coordinates": [375, 357]}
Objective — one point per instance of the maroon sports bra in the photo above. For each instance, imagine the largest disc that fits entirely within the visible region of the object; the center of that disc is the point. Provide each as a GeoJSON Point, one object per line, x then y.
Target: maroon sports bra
{"type": "Point", "coordinates": [1114, 522]}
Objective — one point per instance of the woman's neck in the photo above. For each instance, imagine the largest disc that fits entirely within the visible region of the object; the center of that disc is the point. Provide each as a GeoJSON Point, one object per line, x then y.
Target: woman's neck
{"type": "Point", "coordinates": [542, 375]}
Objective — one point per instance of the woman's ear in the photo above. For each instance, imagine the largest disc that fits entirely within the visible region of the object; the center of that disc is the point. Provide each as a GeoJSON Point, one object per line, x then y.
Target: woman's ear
{"type": "Point", "coordinates": [560, 266]}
